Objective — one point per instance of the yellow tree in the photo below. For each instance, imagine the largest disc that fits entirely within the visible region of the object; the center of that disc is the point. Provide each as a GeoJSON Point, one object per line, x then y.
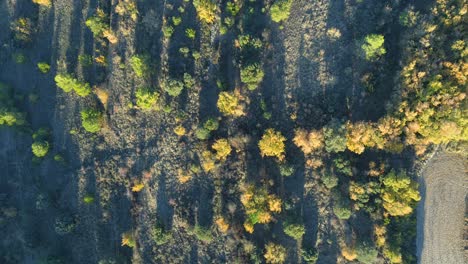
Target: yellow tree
{"type": "Point", "coordinates": [272, 144]}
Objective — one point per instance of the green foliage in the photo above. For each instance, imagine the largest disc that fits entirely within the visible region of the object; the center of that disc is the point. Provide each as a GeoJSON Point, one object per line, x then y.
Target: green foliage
{"type": "Point", "coordinates": [330, 181]}
{"type": "Point", "coordinates": [22, 29]}
{"type": "Point", "coordinates": [146, 98]}
{"type": "Point", "coordinates": [176, 21]}
{"type": "Point", "coordinates": [184, 51]}
{"type": "Point", "coordinates": [286, 170]}
{"type": "Point", "coordinates": [19, 58]}
{"type": "Point", "coordinates": [275, 254]}
{"type": "Point", "coordinates": [43, 67]}
{"type": "Point", "coordinates": [85, 60]}
{"type": "Point", "coordinates": [189, 81]}
{"type": "Point", "coordinates": [190, 33]}
{"type": "Point", "coordinates": [88, 199]}
{"type": "Point", "coordinates": [159, 235]}
{"type": "Point", "coordinates": [168, 31]}
{"type": "Point", "coordinates": [335, 136]}
{"type": "Point", "coordinates": [203, 234]}
{"type": "Point", "coordinates": [342, 209]}
{"type": "Point", "coordinates": [373, 46]}
{"type": "Point", "coordinates": [40, 148]}
{"type": "Point", "coordinates": [399, 194]}
{"type": "Point", "coordinates": [310, 256]}
{"type": "Point", "coordinates": [202, 133]}
{"type": "Point", "coordinates": [294, 230]}
{"type": "Point", "coordinates": [280, 10]}
{"type": "Point", "coordinates": [252, 75]}
{"type": "Point", "coordinates": [173, 87]}
{"type": "Point", "coordinates": [91, 120]}
{"type": "Point", "coordinates": [408, 18]}
{"type": "Point", "coordinates": [272, 144]}
{"type": "Point", "coordinates": [98, 24]}
{"type": "Point", "coordinates": [366, 252]}
{"type": "Point", "coordinates": [140, 65]}
{"type": "Point", "coordinates": [343, 166]}
{"type": "Point", "coordinates": [9, 115]}
{"type": "Point", "coordinates": [211, 124]}
{"type": "Point", "coordinates": [233, 8]}
{"type": "Point", "coordinates": [206, 10]}
{"type": "Point", "coordinates": [67, 83]}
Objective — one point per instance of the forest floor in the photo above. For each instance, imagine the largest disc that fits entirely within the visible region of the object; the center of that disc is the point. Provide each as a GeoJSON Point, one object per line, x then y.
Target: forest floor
{"type": "Point", "coordinates": [441, 212]}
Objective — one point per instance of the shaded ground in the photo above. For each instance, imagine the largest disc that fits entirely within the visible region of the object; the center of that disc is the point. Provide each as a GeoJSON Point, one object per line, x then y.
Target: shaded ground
{"type": "Point", "coordinates": [441, 212]}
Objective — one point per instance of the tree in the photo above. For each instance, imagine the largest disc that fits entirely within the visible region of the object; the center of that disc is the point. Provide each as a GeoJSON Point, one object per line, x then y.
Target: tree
{"type": "Point", "coordinates": [46, 3]}
{"type": "Point", "coordinates": [173, 87]}
{"type": "Point", "coordinates": [159, 235]}
{"type": "Point", "coordinates": [259, 206]}
{"type": "Point", "coordinates": [294, 230]}
{"type": "Point", "coordinates": [67, 83]}
{"type": "Point", "coordinates": [99, 25]}
{"type": "Point", "coordinates": [140, 65]}
{"type": "Point", "coordinates": [366, 252]}
{"type": "Point", "coordinates": [43, 67]}
{"type": "Point", "coordinates": [22, 29]}
{"type": "Point", "coordinates": [308, 141]}
{"type": "Point", "coordinates": [272, 144]}
{"type": "Point", "coordinates": [91, 120]}
{"type": "Point", "coordinates": [399, 194]}
{"type": "Point", "coordinates": [40, 148]}
{"type": "Point", "coordinates": [206, 10]}
{"type": "Point", "coordinates": [280, 10]}
{"type": "Point", "coordinates": [252, 75]}
{"type": "Point", "coordinates": [335, 136]}
{"type": "Point", "coordinates": [146, 98]}
{"type": "Point", "coordinates": [373, 46]}
{"type": "Point", "coordinates": [275, 254]}
{"type": "Point", "coordinates": [229, 104]}
{"type": "Point", "coordinates": [222, 148]}
{"type": "Point", "coordinates": [342, 210]}
{"type": "Point", "coordinates": [211, 124]}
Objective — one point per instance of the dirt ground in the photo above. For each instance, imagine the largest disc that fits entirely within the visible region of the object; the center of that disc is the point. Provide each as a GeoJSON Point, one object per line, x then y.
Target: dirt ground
{"type": "Point", "coordinates": [441, 212]}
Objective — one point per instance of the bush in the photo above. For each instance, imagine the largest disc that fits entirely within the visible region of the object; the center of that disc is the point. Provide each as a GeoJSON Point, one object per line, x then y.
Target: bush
{"type": "Point", "coordinates": [91, 120]}
{"type": "Point", "coordinates": [366, 252]}
{"type": "Point", "coordinates": [272, 144]}
{"type": "Point", "coordinates": [88, 199]}
{"type": "Point", "coordinates": [159, 235]}
{"type": "Point", "coordinates": [140, 65]}
{"type": "Point", "coordinates": [43, 67]}
{"type": "Point", "coordinates": [211, 124]}
{"type": "Point", "coordinates": [275, 254]}
{"type": "Point", "coordinates": [252, 75]}
{"type": "Point", "coordinates": [202, 133]}
{"type": "Point", "coordinates": [40, 148]}
{"type": "Point", "coordinates": [173, 87]}
{"type": "Point", "coordinates": [229, 104]}
{"type": "Point", "coordinates": [146, 98]}
{"type": "Point", "coordinates": [206, 10]}
{"type": "Point", "coordinates": [67, 83]}
{"type": "Point", "coordinates": [330, 181]}
{"type": "Point", "coordinates": [280, 10]}
{"type": "Point", "coordinates": [222, 148]}
{"type": "Point", "coordinates": [203, 234]}
{"type": "Point", "coordinates": [295, 231]}
{"type": "Point", "coordinates": [373, 46]}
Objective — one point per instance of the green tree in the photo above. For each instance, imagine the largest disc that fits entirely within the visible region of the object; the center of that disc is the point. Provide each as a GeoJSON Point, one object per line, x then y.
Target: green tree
{"type": "Point", "coordinates": [334, 134]}
{"type": "Point", "coordinates": [211, 124]}
{"type": "Point", "coordinates": [399, 194]}
{"type": "Point", "coordinates": [173, 87]}
{"type": "Point", "coordinates": [366, 252]}
{"type": "Point", "coordinates": [67, 83]}
{"type": "Point", "coordinates": [140, 65]}
{"type": "Point", "coordinates": [275, 254]}
{"type": "Point", "coordinates": [294, 230]}
{"type": "Point", "coordinates": [373, 46]}
{"type": "Point", "coordinates": [159, 235]}
{"type": "Point", "coordinates": [280, 10]}
{"type": "Point", "coordinates": [40, 148]}
{"type": "Point", "coordinates": [146, 98]}
{"type": "Point", "coordinates": [252, 75]}
{"type": "Point", "coordinates": [43, 67]}
{"type": "Point", "coordinates": [91, 120]}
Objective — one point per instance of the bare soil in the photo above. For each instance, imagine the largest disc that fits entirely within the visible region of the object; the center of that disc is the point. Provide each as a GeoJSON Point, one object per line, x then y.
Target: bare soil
{"type": "Point", "coordinates": [441, 212]}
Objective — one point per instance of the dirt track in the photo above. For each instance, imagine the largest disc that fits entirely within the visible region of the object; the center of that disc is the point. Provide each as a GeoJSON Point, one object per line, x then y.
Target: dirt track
{"type": "Point", "coordinates": [441, 212]}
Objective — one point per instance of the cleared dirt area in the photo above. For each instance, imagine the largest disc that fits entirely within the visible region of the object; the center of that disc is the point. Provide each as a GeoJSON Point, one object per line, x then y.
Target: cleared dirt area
{"type": "Point", "coordinates": [441, 212]}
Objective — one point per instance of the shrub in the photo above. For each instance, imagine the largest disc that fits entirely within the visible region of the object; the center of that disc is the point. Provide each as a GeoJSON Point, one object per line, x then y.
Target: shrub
{"type": "Point", "coordinates": [342, 210]}
{"type": "Point", "coordinates": [65, 224]}
{"type": "Point", "coordinates": [330, 181]}
{"type": "Point", "coordinates": [229, 104]}
{"type": "Point", "coordinates": [91, 120]}
{"type": "Point", "coordinates": [40, 148]}
{"type": "Point", "coordinates": [373, 46]}
{"type": "Point", "coordinates": [272, 144]}
{"type": "Point", "coordinates": [140, 65]}
{"type": "Point", "coordinates": [206, 10]}
{"type": "Point", "coordinates": [43, 67]}
{"type": "Point", "coordinates": [46, 3]}
{"type": "Point", "coordinates": [366, 252]}
{"type": "Point", "coordinates": [190, 33]}
{"type": "Point", "coordinates": [22, 29]}
{"type": "Point", "coordinates": [67, 83]}
{"type": "Point", "coordinates": [222, 148]}
{"type": "Point", "coordinates": [280, 10]}
{"type": "Point", "coordinates": [211, 124]}
{"type": "Point", "coordinates": [295, 231]}
{"type": "Point", "coordinates": [203, 234]}
{"type": "Point", "coordinates": [275, 254]}
{"type": "Point", "coordinates": [173, 87]}
{"type": "Point", "coordinates": [202, 133]}
{"type": "Point", "coordinates": [128, 239]}
{"type": "Point", "coordinates": [159, 235]}
{"type": "Point", "coordinates": [252, 75]}
{"type": "Point", "coordinates": [88, 199]}
{"type": "Point", "coordinates": [146, 98]}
